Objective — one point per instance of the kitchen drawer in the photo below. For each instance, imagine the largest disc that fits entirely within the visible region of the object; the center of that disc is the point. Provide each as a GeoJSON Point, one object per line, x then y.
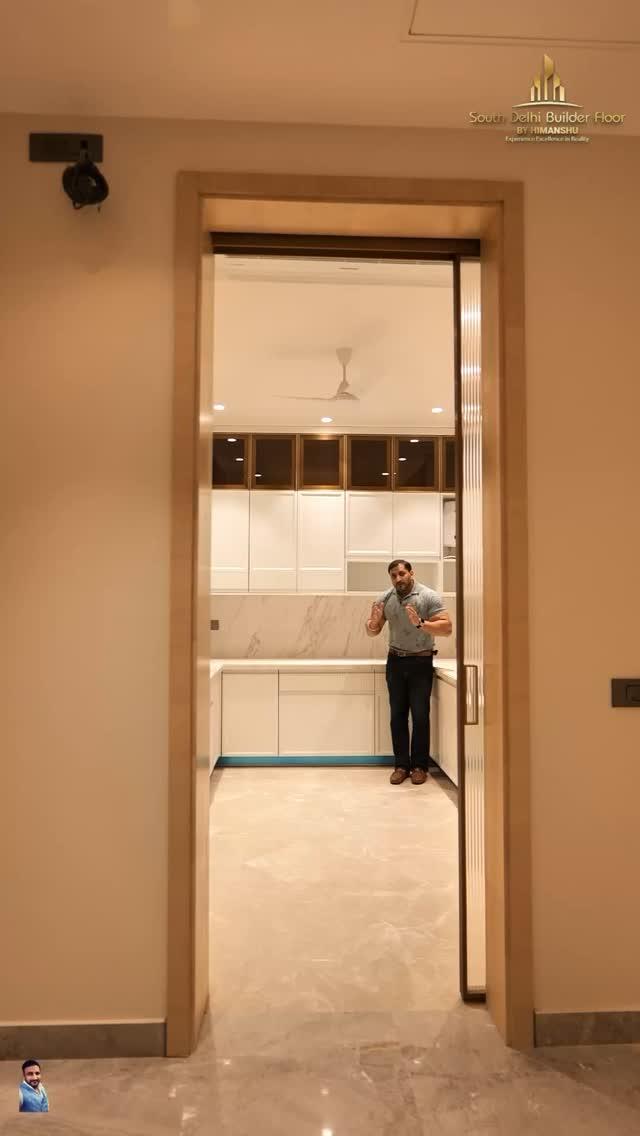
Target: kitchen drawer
{"type": "Point", "coordinates": [339, 683]}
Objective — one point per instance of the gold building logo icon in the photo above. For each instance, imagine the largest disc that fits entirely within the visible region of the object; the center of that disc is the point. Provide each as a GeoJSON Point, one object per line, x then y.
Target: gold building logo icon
{"type": "Point", "coordinates": [546, 89]}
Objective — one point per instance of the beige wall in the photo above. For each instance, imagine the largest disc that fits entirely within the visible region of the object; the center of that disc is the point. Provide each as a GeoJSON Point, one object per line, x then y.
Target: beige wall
{"type": "Point", "coordinates": [86, 369]}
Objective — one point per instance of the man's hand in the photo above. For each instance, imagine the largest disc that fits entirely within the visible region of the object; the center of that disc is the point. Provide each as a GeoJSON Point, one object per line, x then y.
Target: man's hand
{"type": "Point", "coordinates": [415, 619]}
{"type": "Point", "coordinates": [374, 623]}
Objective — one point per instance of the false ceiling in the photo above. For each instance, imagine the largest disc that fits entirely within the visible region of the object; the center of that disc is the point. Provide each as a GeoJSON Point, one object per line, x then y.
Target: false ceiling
{"type": "Point", "coordinates": [349, 62]}
{"type": "Point", "coordinates": [279, 321]}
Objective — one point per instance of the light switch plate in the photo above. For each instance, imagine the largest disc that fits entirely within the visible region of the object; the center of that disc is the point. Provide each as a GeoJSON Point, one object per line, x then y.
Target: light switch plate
{"type": "Point", "coordinates": [625, 692]}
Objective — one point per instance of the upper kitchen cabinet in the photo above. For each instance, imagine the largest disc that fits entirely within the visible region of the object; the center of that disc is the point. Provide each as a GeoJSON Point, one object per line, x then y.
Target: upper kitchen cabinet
{"type": "Point", "coordinates": [229, 463]}
{"type": "Point", "coordinates": [321, 462]}
{"type": "Point", "coordinates": [416, 464]}
{"type": "Point", "coordinates": [449, 465]}
{"type": "Point", "coordinates": [417, 525]}
{"type": "Point", "coordinates": [273, 541]}
{"type": "Point", "coordinates": [230, 540]}
{"type": "Point", "coordinates": [274, 461]}
{"type": "Point", "coordinates": [321, 557]}
{"type": "Point", "coordinates": [369, 462]}
{"type": "Point", "coordinates": [369, 525]}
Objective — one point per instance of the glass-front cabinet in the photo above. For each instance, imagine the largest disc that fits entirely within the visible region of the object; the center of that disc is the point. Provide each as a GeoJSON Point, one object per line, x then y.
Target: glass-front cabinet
{"type": "Point", "coordinates": [368, 462]}
{"type": "Point", "coordinates": [415, 463]}
{"type": "Point", "coordinates": [448, 479]}
{"type": "Point", "coordinates": [273, 463]}
{"type": "Point", "coordinates": [321, 462]}
{"type": "Point", "coordinates": [229, 463]}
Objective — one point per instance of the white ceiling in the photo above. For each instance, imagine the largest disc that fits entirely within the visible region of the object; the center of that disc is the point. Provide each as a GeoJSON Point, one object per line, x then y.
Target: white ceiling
{"type": "Point", "coordinates": [277, 325]}
{"type": "Point", "coordinates": [367, 62]}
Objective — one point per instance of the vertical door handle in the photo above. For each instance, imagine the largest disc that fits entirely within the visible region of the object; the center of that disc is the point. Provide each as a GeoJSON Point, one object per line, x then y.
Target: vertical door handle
{"type": "Point", "coordinates": [471, 701]}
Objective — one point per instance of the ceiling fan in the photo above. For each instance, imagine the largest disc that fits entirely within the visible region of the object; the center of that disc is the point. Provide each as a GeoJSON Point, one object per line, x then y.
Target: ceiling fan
{"type": "Point", "coordinates": [342, 394]}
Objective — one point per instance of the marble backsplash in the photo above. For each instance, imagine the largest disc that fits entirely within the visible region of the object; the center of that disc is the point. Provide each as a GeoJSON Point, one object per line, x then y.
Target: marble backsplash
{"type": "Point", "coordinates": [300, 626]}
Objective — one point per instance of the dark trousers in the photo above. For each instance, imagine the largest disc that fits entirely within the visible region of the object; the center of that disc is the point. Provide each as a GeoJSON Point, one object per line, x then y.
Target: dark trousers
{"type": "Point", "coordinates": [409, 682]}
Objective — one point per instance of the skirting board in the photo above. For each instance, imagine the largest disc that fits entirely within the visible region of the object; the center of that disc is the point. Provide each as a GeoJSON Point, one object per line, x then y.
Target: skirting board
{"type": "Point", "coordinates": [615, 1027]}
{"type": "Point", "coordinates": [59, 1040]}
{"type": "Point", "coordinates": [266, 760]}
{"type": "Point", "coordinates": [299, 759]}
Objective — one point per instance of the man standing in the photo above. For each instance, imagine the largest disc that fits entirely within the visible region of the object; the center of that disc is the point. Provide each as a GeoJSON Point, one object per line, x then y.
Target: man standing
{"type": "Point", "coordinates": [415, 614]}
{"type": "Point", "coordinates": [31, 1094]}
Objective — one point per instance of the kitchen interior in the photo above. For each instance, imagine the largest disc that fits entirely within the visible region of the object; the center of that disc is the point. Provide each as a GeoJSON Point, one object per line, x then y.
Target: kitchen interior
{"type": "Point", "coordinates": [333, 453]}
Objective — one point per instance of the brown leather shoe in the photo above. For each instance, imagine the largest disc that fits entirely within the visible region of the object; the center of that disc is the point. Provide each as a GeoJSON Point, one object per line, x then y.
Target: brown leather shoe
{"type": "Point", "coordinates": [418, 776]}
{"type": "Point", "coordinates": [398, 776]}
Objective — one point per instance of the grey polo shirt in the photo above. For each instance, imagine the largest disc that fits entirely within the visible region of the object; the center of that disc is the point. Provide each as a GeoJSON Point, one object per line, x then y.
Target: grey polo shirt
{"type": "Point", "coordinates": [402, 634]}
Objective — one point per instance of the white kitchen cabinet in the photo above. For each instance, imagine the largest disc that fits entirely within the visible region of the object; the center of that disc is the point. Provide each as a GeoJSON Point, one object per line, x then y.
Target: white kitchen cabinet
{"type": "Point", "coordinates": [272, 540]}
{"type": "Point", "coordinates": [321, 541]}
{"type": "Point", "coordinates": [326, 714]}
{"type": "Point", "coordinates": [215, 718]}
{"type": "Point", "coordinates": [384, 744]}
{"type": "Point", "coordinates": [417, 525]}
{"type": "Point", "coordinates": [230, 540]}
{"type": "Point", "coordinates": [250, 714]}
{"type": "Point", "coordinates": [445, 744]}
{"type": "Point", "coordinates": [448, 526]}
{"type": "Point", "coordinates": [369, 524]}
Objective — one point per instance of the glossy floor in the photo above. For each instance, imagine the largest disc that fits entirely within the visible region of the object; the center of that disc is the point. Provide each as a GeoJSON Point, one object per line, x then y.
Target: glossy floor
{"type": "Point", "coordinates": [334, 971]}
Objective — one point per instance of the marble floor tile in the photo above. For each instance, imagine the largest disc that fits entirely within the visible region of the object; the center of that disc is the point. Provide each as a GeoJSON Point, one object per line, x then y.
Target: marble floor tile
{"type": "Point", "coordinates": [335, 1007]}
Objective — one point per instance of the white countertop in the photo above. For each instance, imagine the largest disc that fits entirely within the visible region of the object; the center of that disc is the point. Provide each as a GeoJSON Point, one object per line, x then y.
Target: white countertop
{"type": "Point", "coordinates": [447, 667]}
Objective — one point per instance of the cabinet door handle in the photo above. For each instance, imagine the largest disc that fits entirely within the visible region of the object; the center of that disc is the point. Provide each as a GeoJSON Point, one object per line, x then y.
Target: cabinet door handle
{"type": "Point", "coordinates": [471, 700]}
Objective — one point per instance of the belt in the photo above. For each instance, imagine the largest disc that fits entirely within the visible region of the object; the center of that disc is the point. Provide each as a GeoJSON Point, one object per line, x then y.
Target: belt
{"type": "Point", "coordinates": [409, 654]}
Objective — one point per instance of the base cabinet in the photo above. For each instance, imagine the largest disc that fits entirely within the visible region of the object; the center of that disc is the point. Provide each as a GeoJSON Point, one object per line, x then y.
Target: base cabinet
{"type": "Point", "coordinates": [384, 744]}
{"type": "Point", "coordinates": [250, 714]}
{"type": "Point", "coordinates": [215, 719]}
{"type": "Point", "coordinates": [445, 750]}
{"type": "Point", "coordinates": [326, 714]}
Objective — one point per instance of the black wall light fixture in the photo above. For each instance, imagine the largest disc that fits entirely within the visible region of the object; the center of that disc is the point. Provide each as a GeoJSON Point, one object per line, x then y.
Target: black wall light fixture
{"type": "Point", "coordinates": [82, 181]}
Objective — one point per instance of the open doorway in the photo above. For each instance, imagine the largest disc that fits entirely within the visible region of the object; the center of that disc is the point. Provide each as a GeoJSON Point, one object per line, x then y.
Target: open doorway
{"type": "Point", "coordinates": [508, 954]}
{"type": "Point", "coordinates": [328, 462]}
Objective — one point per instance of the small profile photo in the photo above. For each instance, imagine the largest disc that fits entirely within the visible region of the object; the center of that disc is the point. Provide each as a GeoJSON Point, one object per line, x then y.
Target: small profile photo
{"type": "Point", "coordinates": [32, 1094]}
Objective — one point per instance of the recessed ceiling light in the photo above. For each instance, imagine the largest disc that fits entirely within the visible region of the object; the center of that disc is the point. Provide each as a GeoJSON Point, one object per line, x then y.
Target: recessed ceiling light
{"type": "Point", "coordinates": [437, 409]}
{"type": "Point", "coordinates": [218, 406]}
{"type": "Point", "coordinates": [326, 419]}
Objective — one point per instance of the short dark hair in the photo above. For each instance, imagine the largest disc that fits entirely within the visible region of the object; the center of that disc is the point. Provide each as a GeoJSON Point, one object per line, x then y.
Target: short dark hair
{"type": "Point", "coordinates": [26, 1064]}
{"type": "Point", "coordinates": [397, 563]}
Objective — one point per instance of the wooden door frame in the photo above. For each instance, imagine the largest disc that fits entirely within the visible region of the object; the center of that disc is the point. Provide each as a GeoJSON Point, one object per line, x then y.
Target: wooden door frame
{"type": "Point", "coordinates": [494, 213]}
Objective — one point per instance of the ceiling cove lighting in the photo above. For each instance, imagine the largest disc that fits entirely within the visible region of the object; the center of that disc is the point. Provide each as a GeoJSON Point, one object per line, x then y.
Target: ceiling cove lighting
{"type": "Point", "coordinates": [218, 406]}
